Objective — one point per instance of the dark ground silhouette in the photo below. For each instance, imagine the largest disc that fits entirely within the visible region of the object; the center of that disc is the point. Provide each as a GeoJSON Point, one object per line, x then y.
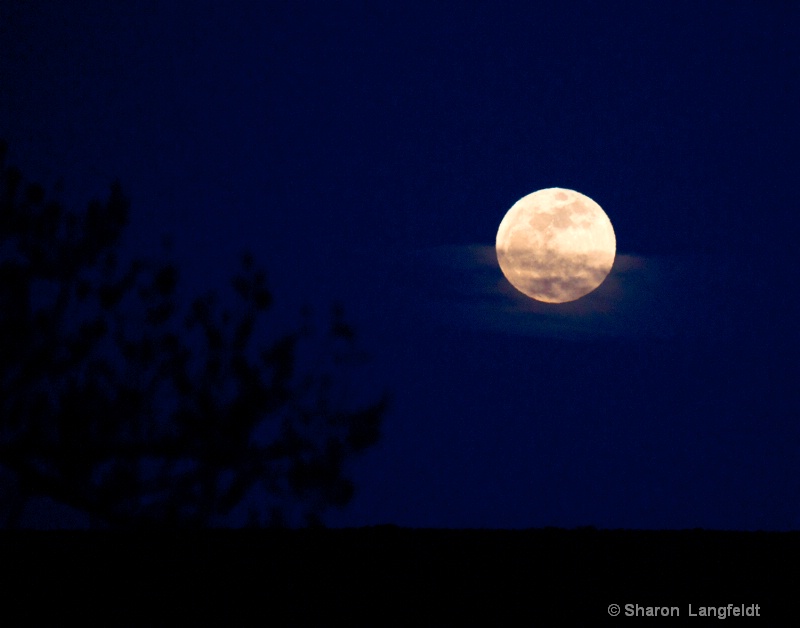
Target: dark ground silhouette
{"type": "Point", "coordinates": [393, 576]}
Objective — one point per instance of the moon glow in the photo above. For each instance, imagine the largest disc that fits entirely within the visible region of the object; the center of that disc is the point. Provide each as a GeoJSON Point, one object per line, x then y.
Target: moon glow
{"type": "Point", "coordinates": [555, 245]}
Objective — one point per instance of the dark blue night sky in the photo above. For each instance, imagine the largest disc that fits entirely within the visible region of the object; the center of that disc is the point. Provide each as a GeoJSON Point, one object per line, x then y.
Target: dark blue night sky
{"type": "Point", "coordinates": [366, 153]}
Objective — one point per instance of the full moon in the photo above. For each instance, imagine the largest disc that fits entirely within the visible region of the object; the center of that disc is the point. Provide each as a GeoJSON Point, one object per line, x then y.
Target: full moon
{"type": "Point", "coordinates": [556, 245]}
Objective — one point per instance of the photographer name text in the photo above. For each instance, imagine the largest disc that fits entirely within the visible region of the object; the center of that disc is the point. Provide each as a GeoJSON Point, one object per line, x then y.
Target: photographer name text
{"type": "Point", "coordinates": [720, 612]}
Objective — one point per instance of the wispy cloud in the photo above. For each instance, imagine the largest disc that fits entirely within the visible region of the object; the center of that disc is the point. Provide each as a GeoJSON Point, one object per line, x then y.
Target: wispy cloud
{"type": "Point", "coordinates": [652, 297]}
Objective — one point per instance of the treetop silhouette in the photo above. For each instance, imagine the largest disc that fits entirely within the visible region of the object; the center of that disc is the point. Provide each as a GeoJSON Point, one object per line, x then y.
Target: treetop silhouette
{"type": "Point", "coordinates": [113, 403]}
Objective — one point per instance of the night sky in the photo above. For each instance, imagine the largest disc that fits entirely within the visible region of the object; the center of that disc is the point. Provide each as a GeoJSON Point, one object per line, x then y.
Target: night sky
{"type": "Point", "coordinates": [366, 153]}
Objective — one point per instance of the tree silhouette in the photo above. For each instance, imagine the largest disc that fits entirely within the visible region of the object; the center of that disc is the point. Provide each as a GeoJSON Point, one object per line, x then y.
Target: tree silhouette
{"type": "Point", "coordinates": [113, 404]}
